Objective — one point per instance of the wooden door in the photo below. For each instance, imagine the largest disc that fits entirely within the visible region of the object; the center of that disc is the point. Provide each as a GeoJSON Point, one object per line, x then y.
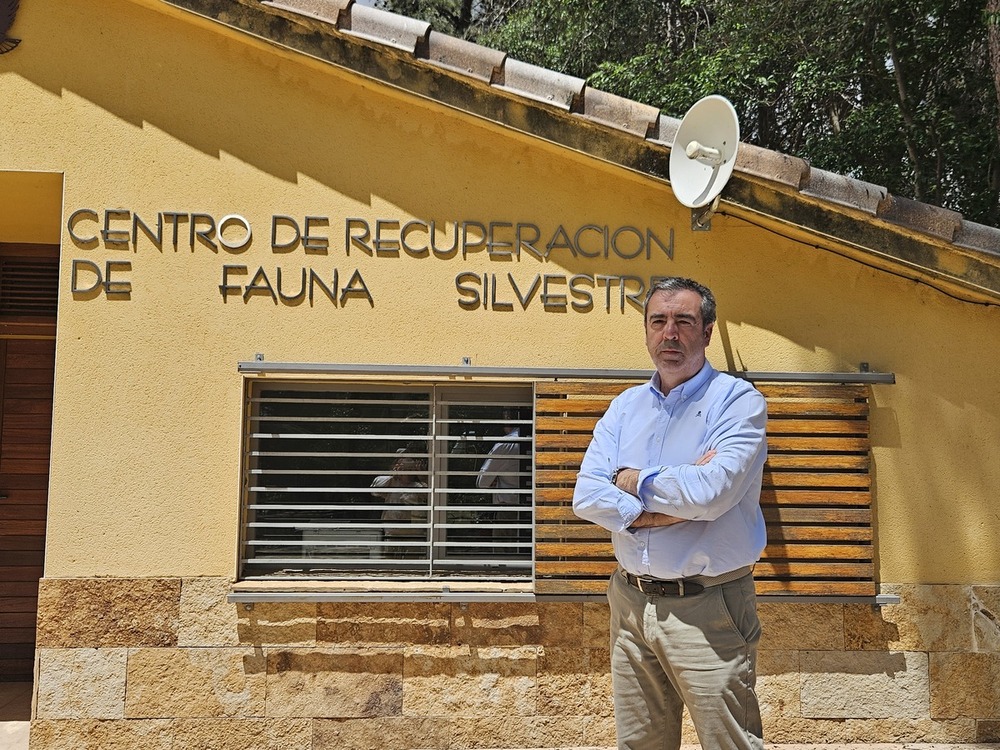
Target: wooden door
{"type": "Point", "coordinates": [28, 280]}
{"type": "Point", "coordinates": [26, 368]}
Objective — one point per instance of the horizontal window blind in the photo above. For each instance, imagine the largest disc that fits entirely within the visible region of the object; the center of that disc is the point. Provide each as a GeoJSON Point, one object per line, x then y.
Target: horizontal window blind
{"type": "Point", "coordinates": [402, 482]}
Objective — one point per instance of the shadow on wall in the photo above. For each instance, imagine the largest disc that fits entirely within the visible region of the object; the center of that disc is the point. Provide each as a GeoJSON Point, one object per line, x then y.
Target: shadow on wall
{"type": "Point", "coordinates": [220, 95]}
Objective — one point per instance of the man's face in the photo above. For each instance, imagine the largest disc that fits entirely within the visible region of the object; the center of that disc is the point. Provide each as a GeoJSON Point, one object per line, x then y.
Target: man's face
{"type": "Point", "coordinates": [675, 336]}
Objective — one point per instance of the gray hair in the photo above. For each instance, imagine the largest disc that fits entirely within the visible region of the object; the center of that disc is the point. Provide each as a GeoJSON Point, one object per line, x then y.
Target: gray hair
{"type": "Point", "coordinates": [673, 284]}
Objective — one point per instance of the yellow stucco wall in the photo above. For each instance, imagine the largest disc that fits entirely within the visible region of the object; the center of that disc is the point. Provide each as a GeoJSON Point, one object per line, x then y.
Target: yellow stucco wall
{"type": "Point", "coordinates": [148, 110]}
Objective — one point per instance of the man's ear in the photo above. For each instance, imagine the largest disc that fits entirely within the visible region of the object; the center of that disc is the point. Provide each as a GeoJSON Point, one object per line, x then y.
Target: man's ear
{"type": "Point", "coordinates": [708, 333]}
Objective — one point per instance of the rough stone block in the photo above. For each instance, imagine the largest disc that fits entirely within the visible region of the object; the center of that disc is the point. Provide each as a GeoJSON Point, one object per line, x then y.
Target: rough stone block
{"type": "Point", "coordinates": [965, 686]}
{"type": "Point", "coordinates": [240, 734]}
{"type": "Point", "coordinates": [795, 626]}
{"type": "Point", "coordinates": [818, 732]}
{"type": "Point", "coordinates": [988, 731]}
{"type": "Point", "coordinates": [468, 681]}
{"type": "Point", "coordinates": [195, 682]}
{"type": "Point", "coordinates": [516, 624]}
{"type": "Point", "coordinates": [778, 683]}
{"type": "Point", "coordinates": [277, 624]}
{"type": "Point", "coordinates": [864, 685]}
{"type": "Point", "coordinates": [108, 612]}
{"type": "Point", "coordinates": [574, 681]}
{"type": "Point", "coordinates": [206, 618]}
{"type": "Point", "coordinates": [334, 683]}
{"type": "Point", "coordinates": [928, 618]}
{"type": "Point", "coordinates": [986, 618]}
{"type": "Point", "coordinates": [596, 625]}
{"type": "Point", "coordinates": [383, 733]}
{"type": "Point", "coordinates": [91, 734]}
{"type": "Point", "coordinates": [81, 683]}
{"type": "Point", "coordinates": [518, 731]}
{"type": "Point", "coordinates": [383, 623]}
{"type": "Point", "coordinates": [599, 731]}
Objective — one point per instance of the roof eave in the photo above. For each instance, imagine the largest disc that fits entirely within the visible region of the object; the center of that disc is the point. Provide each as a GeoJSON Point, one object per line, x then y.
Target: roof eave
{"type": "Point", "coordinates": [837, 213]}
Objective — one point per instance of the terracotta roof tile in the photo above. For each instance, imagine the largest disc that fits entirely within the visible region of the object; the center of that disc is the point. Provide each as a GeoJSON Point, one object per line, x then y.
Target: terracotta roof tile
{"type": "Point", "coordinates": [465, 57]}
{"type": "Point", "coordinates": [391, 29]}
{"type": "Point", "coordinates": [618, 112]}
{"type": "Point", "coordinates": [844, 191]}
{"type": "Point", "coordinates": [574, 114]}
{"type": "Point", "coordinates": [541, 84]}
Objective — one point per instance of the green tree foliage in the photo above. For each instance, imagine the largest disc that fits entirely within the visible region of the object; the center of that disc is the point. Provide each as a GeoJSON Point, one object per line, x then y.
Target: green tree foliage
{"type": "Point", "coordinates": [901, 94]}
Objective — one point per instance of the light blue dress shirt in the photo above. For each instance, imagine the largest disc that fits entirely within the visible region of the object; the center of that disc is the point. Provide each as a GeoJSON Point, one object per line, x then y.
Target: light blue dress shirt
{"type": "Point", "coordinates": [662, 436]}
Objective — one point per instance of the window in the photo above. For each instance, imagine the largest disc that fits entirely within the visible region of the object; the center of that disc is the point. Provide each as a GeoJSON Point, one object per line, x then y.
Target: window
{"type": "Point", "coordinates": [393, 481]}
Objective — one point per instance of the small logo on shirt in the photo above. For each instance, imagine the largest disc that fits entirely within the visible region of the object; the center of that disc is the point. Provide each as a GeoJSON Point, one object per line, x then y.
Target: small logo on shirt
{"type": "Point", "coordinates": [699, 413]}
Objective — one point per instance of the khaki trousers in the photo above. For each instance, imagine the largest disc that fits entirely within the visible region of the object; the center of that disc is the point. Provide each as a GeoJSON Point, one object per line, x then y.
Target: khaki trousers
{"type": "Point", "coordinates": [699, 651]}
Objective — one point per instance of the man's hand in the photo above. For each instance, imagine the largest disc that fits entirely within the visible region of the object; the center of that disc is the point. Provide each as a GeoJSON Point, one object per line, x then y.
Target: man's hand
{"type": "Point", "coordinates": [627, 480]}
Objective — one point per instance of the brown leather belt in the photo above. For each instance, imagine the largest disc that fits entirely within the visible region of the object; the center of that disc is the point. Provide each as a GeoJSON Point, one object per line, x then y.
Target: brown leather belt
{"type": "Point", "coordinates": [682, 586]}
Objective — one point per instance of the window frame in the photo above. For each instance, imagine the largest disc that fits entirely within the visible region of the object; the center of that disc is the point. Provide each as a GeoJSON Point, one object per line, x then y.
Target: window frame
{"type": "Point", "coordinates": [443, 397]}
{"type": "Point", "coordinates": [840, 386]}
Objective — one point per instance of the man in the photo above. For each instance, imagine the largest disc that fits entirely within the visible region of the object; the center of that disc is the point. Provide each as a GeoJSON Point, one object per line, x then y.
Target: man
{"type": "Point", "coordinates": [500, 477]}
{"type": "Point", "coordinates": [674, 472]}
{"type": "Point", "coordinates": [500, 470]}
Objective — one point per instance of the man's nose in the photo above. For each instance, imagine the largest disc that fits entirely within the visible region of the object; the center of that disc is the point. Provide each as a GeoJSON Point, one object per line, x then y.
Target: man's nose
{"type": "Point", "coordinates": [670, 330]}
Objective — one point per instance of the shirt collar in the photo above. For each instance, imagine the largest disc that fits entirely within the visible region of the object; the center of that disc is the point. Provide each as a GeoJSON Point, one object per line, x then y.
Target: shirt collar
{"type": "Point", "coordinates": [686, 389]}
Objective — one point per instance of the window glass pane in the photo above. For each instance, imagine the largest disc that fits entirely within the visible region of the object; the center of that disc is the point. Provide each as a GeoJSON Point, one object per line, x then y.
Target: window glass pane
{"type": "Point", "coordinates": [407, 482]}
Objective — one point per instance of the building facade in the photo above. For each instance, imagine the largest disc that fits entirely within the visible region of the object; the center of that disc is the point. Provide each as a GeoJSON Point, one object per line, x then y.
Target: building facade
{"type": "Point", "coordinates": [316, 266]}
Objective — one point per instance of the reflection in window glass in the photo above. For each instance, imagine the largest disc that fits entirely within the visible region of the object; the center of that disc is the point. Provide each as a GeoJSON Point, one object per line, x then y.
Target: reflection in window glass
{"type": "Point", "coordinates": [402, 482]}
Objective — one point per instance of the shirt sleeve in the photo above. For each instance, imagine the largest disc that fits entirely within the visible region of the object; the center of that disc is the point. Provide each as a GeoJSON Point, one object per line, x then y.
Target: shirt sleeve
{"type": "Point", "coordinates": [595, 498]}
{"type": "Point", "coordinates": [503, 461]}
{"type": "Point", "coordinates": [703, 493]}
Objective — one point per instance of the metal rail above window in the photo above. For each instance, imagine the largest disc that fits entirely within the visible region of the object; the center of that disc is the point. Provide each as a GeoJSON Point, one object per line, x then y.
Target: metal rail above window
{"type": "Point", "coordinates": [262, 366]}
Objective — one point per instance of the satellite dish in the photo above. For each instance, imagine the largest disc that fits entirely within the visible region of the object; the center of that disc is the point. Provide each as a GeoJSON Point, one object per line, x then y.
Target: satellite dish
{"type": "Point", "coordinates": [704, 151]}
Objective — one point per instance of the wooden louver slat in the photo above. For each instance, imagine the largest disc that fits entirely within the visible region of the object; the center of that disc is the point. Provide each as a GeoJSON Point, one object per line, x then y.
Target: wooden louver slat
{"type": "Point", "coordinates": [816, 494]}
{"type": "Point", "coordinates": [29, 286]}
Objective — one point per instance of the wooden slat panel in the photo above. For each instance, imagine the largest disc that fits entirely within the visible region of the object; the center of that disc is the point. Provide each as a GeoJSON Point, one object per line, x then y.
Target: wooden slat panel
{"type": "Point", "coordinates": [575, 424]}
{"type": "Point", "coordinates": [556, 458]}
{"type": "Point", "coordinates": [779, 532]}
{"type": "Point", "coordinates": [21, 557]}
{"type": "Point", "coordinates": [572, 586]}
{"type": "Point", "coordinates": [818, 444]}
{"type": "Point", "coordinates": [18, 651]}
{"type": "Point", "coordinates": [816, 479]}
{"type": "Point", "coordinates": [773, 496]}
{"type": "Point", "coordinates": [9, 636]}
{"type": "Point", "coordinates": [16, 573]}
{"type": "Point", "coordinates": [19, 604]}
{"type": "Point", "coordinates": [824, 570]}
{"type": "Point", "coordinates": [567, 531]}
{"type": "Point", "coordinates": [791, 551]}
{"type": "Point", "coordinates": [21, 543]}
{"type": "Point", "coordinates": [546, 550]}
{"type": "Point", "coordinates": [575, 568]}
{"type": "Point", "coordinates": [816, 497]}
{"type": "Point", "coordinates": [21, 512]}
{"type": "Point", "coordinates": [24, 528]}
{"type": "Point", "coordinates": [811, 391]}
{"type": "Point", "coordinates": [779, 426]}
{"type": "Point", "coordinates": [818, 461]}
{"type": "Point", "coordinates": [816, 588]}
{"type": "Point", "coordinates": [581, 406]}
{"type": "Point", "coordinates": [834, 516]}
{"type": "Point", "coordinates": [583, 387]}
{"type": "Point", "coordinates": [29, 375]}
{"type": "Point", "coordinates": [19, 588]}
{"type": "Point", "coordinates": [802, 408]}
{"type": "Point", "coordinates": [555, 514]}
